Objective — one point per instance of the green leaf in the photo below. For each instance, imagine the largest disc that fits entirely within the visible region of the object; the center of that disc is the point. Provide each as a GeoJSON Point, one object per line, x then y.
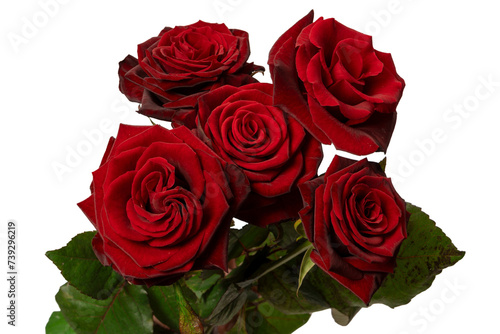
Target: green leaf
{"type": "Point", "coordinates": [125, 311]}
{"type": "Point", "coordinates": [205, 307]}
{"type": "Point", "coordinates": [203, 290]}
{"type": "Point", "coordinates": [383, 163]}
{"type": "Point", "coordinates": [189, 323]}
{"type": "Point", "coordinates": [229, 305]}
{"type": "Point", "coordinates": [344, 318]}
{"type": "Point", "coordinates": [245, 239]}
{"type": "Point", "coordinates": [422, 256]}
{"type": "Point", "coordinates": [240, 326]}
{"type": "Point", "coordinates": [159, 329]}
{"type": "Point", "coordinates": [266, 319]}
{"type": "Point", "coordinates": [285, 233]}
{"type": "Point", "coordinates": [344, 304]}
{"type": "Point", "coordinates": [270, 266]}
{"type": "Point", "coordinates": [305, 266]}
{"type": "Point", "coordinates": [163, 301]}
{"type": "Point", "coordinates": [299, 228]}
{"type": "Point", "coordinates": [279, 287]}
{"type": "Point", "coordinates": [58, 325]}
{"type": "Point", "coordinates": [199, 284]}
{"type": "Point", "coordinates": [82, 269]}
{"type": "Point", "coordinates": [318, 291]}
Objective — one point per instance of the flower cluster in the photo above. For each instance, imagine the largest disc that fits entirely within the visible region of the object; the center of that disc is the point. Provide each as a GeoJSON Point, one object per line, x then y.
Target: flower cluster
{"type": "Point", "coordinates": [163, 199]}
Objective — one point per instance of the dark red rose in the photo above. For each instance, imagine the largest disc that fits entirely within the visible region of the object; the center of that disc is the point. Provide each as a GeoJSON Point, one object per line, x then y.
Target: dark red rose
{"type": "Point", "coordinates": [162, 204]}
{"type": "Point", "coordinates": [356, 222]}
{"type": "Point", "coordinates": [181, 64]}
{"type": "Point", "coordinates": [273, 150]}
{"type": "Point", "coordinates": [330, 79]}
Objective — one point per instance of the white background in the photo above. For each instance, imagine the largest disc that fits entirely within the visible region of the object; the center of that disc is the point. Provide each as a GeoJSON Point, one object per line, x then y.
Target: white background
{"type": "Point", "coordinates": [61, 81]}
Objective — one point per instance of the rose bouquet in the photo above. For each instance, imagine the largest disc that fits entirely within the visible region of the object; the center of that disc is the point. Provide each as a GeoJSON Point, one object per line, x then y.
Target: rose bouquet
{"type": "Point", "coordinates": [166, 257]}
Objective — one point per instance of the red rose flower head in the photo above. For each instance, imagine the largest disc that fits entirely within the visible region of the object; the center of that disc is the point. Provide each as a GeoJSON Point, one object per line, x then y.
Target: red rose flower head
{"type": "Point", "coordinates": [181, 64]}
{"type": "Point", "coordinates": [274, 151]}
{"type": "Point", "coordinates": [330, 79]}
{"type": "Point", "coordinates": [356, 222]}
{"type": "Point", "coordinates": [162, 204]}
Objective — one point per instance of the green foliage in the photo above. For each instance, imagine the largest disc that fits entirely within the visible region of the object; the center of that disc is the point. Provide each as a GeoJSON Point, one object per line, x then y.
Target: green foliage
{"type": "Point", "coordinates": [189, 323]}
{"type": "Point", "coordinates": [306, 265]}
{"type": "Point", "coordinates": [272, 287]}
{"type": "Point", "coordinates": [264, 318]}
{"type": "Point", "coordinates": [163, 302]}
{"type": "Point", "coordinates": [82, 269]}
{"type": "Point", "coordinates": [422, 256]}
{"type": "Point", "coordinates": [318, 291]}
{"type": "Point", "coordinates": [58, 325]}
{"type": "Point", "coordinates": [125, 311]}
{"type": "Point", "coordinates": [245, 240]}
{"type": "Point", "coordinates": [229, 305]}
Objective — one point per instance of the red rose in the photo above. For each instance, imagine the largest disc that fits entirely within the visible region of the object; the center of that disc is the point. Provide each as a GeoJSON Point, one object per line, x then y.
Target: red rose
{"type": "Point", "coordinates": [273, 150]}
{"type": "Point", "coordinates": [356, 222]}
{"type": "Point", "coordinates": [330, 79]}
{"type": "Point", "coordinates": [162, 204]}
{"type": "Point", "coordinates": [181, 64]}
